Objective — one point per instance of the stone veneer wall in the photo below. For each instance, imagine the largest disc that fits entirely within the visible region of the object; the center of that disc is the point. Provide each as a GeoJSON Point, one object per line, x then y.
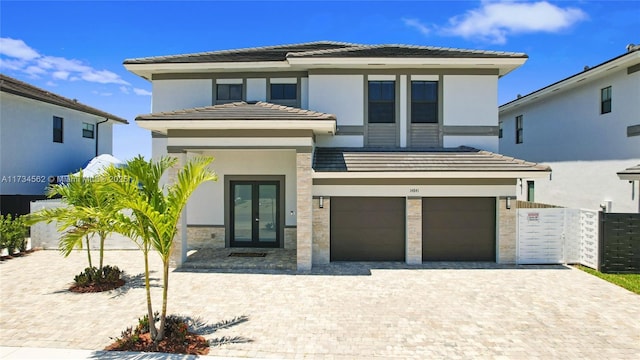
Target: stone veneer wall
{"type": "Point", "coordinates": [321, 231]}
{"type": "Point", "coordinates": [304, 206]}
{"type": "Point", "coordinates": [290, 237]}
{"type": "Point", "coordinates": [506, 232]}
{"type": "Point", "coordinates": [413, 246]}
{"type": "Point", "coordinates": [205, 237]}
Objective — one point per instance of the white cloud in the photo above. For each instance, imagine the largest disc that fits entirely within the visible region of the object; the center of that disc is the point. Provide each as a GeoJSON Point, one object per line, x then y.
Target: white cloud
{"type": "Point", "coordinates": [124, 90]}
{"type": "Point", "coordinates": [142, 92]}
{"type": "Point", "coordinates": [18, 56]}
{"type": "Point", "coordinates": [416, 24]}
{"type": "Point", "coordinates": [494, 21]}
{"type": "Point", "coordinates": [17, 49]}
{"type": "Point", "coordinates": [34, 71]}
{"type": "Point", "coordinates": [12, 64]}
{"type": "Point", "coordinates": [51, 83]}
{"type": "Point", "coordinates": [60, 75]}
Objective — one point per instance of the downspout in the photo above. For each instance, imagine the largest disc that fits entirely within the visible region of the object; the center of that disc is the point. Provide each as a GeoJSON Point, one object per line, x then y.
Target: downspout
{"type": "Point", "coordinates": [97, 127]}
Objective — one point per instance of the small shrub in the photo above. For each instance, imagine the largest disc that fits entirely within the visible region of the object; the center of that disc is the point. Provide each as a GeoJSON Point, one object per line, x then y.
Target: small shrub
{"type": "Point", "coordinates": [176, 327]}
{"type": "Point", "coordinates": [12, 234]}
{"type": "Point", "coordinates": [93, 275]}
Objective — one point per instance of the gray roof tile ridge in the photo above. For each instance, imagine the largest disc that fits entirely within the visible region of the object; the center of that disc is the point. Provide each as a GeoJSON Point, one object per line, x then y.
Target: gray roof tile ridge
{"type": "Point", "coordinates": [330, 51]}
{"type": "Point", "coordinates": [293, 109]}
{"type": "Point", "coordinates": [474, 51]}
{"type": "Point", "coordinates": [515, 160]}
{"type": "Point", "coordinates": [229, 51]}
{"type": "Point", "coordinates": [425, 47]}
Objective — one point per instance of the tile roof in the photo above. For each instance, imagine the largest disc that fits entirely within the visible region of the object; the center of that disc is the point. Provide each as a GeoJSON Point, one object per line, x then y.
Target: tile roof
{"type": "Point", "coordinates": [16, 87]}
{"type": "Point", "coordinates": [634, 170]}
{"type": "Point", "coordinates": [240, 111]}
{"type": "Point", "coordinates": [323, 49]}
{"type": "Point", "coordinates": [417, 160]}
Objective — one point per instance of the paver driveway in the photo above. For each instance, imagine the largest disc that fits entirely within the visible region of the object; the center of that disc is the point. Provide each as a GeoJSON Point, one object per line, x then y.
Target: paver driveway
{"type": "Point", "coordinates": [344, 311]}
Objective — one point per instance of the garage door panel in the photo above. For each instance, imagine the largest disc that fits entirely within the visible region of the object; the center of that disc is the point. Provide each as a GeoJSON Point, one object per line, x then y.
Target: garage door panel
{"type": "Point", "coordinates": [458, 229]}
{"type": "Point", "coordinates": [367, 229]}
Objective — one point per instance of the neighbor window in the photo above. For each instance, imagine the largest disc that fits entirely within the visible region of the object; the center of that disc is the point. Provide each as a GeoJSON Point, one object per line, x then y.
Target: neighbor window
{"type": "Point", "coordinates": [382, 102]}
{"type": "Point", "coordinates": [57, 129]}
{"type": "Point", "coordinates": [424, 101]}
{"type": "Point", "coordinates": [605, 100]}
{"type": "Point", "coordinates": [519, 129]}
{"type": "Point", "coordinates": [530, 191]}
{"type": "Point", "coordinates": [87, 130]}
{"type": "Point", "coordinates": [228, 92]}
{"type": "Point", "coordinates": [499, 129]}
{"type": "Point", "coordinates": [284, 91]}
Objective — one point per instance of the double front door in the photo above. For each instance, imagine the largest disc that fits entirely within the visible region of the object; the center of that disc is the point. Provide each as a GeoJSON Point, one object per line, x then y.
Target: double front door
{"type": "Point", "coordinates": [255, 214]}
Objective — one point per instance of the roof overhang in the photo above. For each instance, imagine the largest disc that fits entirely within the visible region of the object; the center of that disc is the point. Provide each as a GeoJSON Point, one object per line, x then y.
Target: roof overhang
{"type": "Point", "coordinates": [431, 174]}
{"type": "Point", "coordinates": [573, 81]}
{"type": "Point", "coordinates": [147, 70]}
{"type": "Point", "coordinates": [316, 126]}
{"type": "Point", "coordinates": [503, 65]}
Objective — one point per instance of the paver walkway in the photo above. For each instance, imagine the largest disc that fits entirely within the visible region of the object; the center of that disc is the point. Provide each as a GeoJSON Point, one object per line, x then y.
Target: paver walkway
{"type": "Point", "coordinates": [343, 311]}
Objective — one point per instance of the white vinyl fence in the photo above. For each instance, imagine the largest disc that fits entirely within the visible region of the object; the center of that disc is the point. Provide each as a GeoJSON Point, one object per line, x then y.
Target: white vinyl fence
{"type": "Point", "coordinates": [557, 236]}
{"type": "Point", "coordinates": [46, 235]}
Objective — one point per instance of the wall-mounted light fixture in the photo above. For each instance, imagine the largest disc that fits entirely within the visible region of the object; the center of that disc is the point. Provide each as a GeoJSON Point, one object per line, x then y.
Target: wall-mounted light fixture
{"type": "Point", "coordinates": [321, 202]}
{"type": "Point", "coordinates": [508, 203]}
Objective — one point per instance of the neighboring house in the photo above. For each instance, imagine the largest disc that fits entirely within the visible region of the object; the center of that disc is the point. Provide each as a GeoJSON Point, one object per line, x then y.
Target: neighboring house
{"type": "Point", "coordinates": [587, 128]}
{"type": "Point", "coordinates": [632, 175]}
{"type": "Point", "coordinates": [43, 135]}
{"type": "Point", "coordinates": [341, 151]}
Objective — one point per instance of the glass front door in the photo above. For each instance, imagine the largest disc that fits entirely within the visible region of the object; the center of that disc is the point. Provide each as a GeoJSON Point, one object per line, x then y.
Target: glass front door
{"type": "Point", "coordinates": [255, 216]}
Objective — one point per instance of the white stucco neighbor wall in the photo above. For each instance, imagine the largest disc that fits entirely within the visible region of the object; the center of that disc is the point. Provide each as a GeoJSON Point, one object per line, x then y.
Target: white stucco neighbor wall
{"type": "Point", "coordinates": [171, 95]}
{"type": "Point", "coordinates": [568, 126]}
{"type": "Point", "coordinates": [586, 185]}
{"type": "Point", "coordinates": [27, 147]}
{"type": "Point", "coordinates": [584, 148]}
{"type": "Point", "coordinates": [206, 206]}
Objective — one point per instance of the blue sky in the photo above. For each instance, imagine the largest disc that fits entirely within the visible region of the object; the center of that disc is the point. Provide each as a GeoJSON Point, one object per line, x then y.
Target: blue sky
{"type": "Point", "coordinates": [76, 49]}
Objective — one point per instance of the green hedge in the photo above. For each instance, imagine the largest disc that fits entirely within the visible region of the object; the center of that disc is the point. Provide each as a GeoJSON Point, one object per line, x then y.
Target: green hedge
{"type": "Point", "coordinates": [13, 233]}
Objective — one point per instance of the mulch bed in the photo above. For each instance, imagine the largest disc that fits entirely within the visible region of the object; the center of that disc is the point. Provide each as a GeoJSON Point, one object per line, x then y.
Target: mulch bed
{"type": "Point", "coordinates": [96, 287]}
{"type": "Point", "coordinates": [193, 344]}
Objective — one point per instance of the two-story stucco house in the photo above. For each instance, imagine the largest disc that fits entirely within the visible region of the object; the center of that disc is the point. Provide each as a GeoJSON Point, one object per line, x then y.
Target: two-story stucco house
{"type": "Point", "coordinates": [587, 128]}
{"type": "Point", "coordinates": [341, 151]}
{"type": "Point", "coordinates": [41, 135]}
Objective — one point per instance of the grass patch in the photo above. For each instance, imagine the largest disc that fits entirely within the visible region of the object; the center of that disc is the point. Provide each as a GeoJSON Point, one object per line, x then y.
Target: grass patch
{"type": "Point", "coordinates": [630, 282]}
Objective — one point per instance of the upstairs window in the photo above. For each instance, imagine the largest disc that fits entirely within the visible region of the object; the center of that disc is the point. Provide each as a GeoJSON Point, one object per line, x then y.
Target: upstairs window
{"type": "Point", "coordinates": [228, 92]}
{"type": "Point", "coordinates": [531, 187]}
{"type": "Point", "coordinates": [382, 102]}
{"type": "Point", "coordinates": [424, 102]}
{"type": "Point", "coordinates": [57, 129]}
{"type": "Point", "coordinates": [499, 129]}
{"type": "Point", "coordinates": [605, 100]}
{"type": "Point", "coordinates": [284, 91]}
{"type": "Point", "coordinates": [519, 129]}
{"type": "Point", "coordinates": [87, 131]}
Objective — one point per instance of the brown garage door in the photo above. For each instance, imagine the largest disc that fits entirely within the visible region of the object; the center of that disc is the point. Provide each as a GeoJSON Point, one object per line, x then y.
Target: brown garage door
{"type": "Point", "coordinates": [367, 229]}
{"type": "Point", "coordinates": [458, 229]}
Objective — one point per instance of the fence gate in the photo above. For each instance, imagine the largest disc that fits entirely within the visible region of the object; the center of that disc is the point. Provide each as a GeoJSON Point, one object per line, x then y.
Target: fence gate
{"type": "Point", "coordinates": [557, 236]}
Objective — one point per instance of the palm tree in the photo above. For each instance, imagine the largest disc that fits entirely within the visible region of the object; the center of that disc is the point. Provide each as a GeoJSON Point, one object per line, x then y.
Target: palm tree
{"type": "Point", "coordinates": [155, 212]}
{"type": "Point", "coordinates": [87, 213]}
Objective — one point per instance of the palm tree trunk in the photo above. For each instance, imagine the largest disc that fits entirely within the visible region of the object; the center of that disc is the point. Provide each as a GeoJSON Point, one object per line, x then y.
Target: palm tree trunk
{"type": "Point", "coordinates": [88, 251]}
{"type": "Point", "coordinates": [102, 238]}
{"type": "Point", "coordinates": [165, 289]}
{"type": "Point", "coordinates": [152, 323]}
